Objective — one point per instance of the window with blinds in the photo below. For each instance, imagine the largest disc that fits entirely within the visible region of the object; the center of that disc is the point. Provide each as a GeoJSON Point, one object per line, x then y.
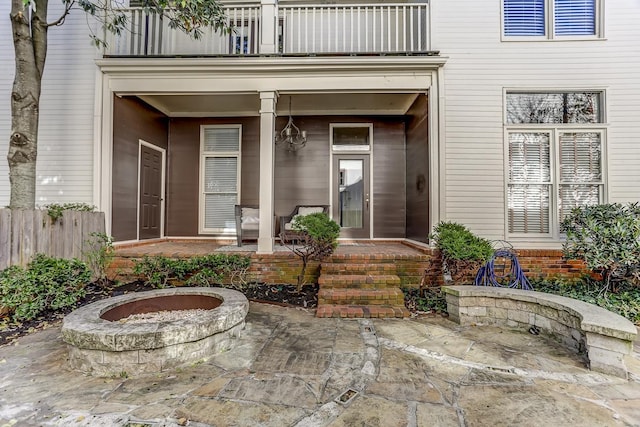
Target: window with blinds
{"type": "Point", "coordinates": [220, 178]}
{"type": "Point", "coordinates": [529, 182]}
{"type": "Point", "coordinates": [575, 17]}
{"type": "Point", "coordinates": [524, 17]}
{"type": "Point", "coordinates": [550, 18]}
{"type": "Point", "coordinates": [555, 158]}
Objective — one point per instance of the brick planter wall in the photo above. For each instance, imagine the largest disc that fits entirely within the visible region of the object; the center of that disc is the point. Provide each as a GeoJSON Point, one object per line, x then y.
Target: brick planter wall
{"type": "Point", "coordinates": [283, 267]}
{"type": "Point", "coordinates": [549, 264]}
{"type": "Point", "coordinates": [536, 263]}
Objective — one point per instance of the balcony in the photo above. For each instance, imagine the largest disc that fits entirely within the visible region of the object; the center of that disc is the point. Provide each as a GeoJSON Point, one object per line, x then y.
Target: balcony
{"type": "Point", "coordinates": [268, 29]}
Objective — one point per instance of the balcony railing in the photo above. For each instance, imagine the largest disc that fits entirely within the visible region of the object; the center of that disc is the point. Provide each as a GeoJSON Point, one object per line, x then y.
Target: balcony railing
{"type": "Point", "coordinates": [304, 29]}
{"type": "Point", "coordinates": [355, 28]}
{"type": "Point", "coordinates": [149, 35]}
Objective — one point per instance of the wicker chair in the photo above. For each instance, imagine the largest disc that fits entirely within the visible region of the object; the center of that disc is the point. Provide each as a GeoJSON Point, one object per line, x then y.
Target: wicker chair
{"type": "Point", "coordinates": [247, 222]}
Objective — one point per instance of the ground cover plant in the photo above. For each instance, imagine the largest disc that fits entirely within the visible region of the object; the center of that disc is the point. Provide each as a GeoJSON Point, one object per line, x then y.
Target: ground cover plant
{"type": "Point", "coordinates": [427, 300]}
{"type": "Point", "coordinates": [625, 301]}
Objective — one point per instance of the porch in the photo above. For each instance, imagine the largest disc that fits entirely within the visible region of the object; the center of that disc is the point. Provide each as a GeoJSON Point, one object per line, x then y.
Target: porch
{"type": "Point", "coordinates": [358, 80]}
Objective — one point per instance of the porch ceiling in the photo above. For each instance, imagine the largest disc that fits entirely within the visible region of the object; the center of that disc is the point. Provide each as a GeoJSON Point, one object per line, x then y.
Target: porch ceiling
{"type": "Point", "coordinates": [228, 105]}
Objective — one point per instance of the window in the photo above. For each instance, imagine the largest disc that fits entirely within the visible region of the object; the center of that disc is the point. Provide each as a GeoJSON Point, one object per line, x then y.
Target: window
{"type": "Point", "coordinates": [550, 18]}
{"type": "Point", "coordinates": [220, 178]}
{"type": "Point", "coordinates": [555, 158]}
{"type": "Point", "coordinates": [350, 137]}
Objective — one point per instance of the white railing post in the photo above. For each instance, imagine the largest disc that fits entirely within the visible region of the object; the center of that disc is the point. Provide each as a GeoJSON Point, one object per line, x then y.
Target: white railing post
{"type": "Point", "coordinates": [268, 26]}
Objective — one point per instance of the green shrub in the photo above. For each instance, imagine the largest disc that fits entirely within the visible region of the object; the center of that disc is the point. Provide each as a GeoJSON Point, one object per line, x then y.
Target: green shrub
{"type": "Point", "coordinates": [55, 210]}
{"type": "Point", "coordinates": [607, 239]}
{"type": "Point", "coordinates": [319, 241]}
{"type": "Point", "coordinates": [212, 269]}
{"type": "Point", "coordinates": [461, 250]}
{"type": "Point", "coordinates": [207, 270]}
{"type": "Point", "coordinates": [45, 284]}
{"type": "Point", "coordinates": [323, 232]}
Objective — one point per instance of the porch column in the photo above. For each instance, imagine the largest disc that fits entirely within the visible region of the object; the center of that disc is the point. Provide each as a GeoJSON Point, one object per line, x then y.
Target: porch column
{"type": "Point", "coordinates": [267, 157]}
{"type": "Point", "coordinates": [268, 27]}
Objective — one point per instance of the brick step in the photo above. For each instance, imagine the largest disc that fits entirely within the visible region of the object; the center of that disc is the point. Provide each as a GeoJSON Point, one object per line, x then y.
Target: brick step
{"type": "Point", "coordinates": [393, 296]}
{"type": "Point", "coordinates": [358, 281]}
{"type": "Point", "coordinates": [362, 311]}
{"type": "Point", "coordinates": [358, 268]}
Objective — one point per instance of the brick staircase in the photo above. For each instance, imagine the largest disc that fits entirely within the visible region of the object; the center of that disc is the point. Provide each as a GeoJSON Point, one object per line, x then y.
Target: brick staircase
{"type": "Point", "coordinates": [360, 287]}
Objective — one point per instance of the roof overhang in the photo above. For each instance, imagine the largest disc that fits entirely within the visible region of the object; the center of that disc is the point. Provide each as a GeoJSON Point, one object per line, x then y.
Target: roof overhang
{"type": "Point", "coordinates": [216, 87]}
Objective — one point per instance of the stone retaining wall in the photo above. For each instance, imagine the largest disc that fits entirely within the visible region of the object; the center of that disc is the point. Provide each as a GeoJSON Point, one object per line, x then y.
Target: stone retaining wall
{"type": "Point", "coordinates": [605, 337]}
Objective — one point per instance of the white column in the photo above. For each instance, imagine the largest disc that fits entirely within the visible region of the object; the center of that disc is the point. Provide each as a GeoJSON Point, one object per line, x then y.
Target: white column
{"type": "Point", "coordinates": [267, 157]}
{"type": "Point", "coordinates": [268, 26]}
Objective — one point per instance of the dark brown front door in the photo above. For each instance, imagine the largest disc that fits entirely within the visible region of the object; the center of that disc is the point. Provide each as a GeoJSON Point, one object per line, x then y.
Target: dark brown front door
{"type": "Point", "coordinates": [351, 199]}
{"type": "Point", "coordinates": [150, 192]}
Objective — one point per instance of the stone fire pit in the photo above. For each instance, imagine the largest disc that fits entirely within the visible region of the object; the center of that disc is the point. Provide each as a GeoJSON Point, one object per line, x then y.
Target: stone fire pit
{"type": "Point", "coordinates": [102, 342]}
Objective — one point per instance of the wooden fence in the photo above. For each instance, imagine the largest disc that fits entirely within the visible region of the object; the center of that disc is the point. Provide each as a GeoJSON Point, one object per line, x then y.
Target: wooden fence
{"type": "Point", "coordinates": [24, 233]}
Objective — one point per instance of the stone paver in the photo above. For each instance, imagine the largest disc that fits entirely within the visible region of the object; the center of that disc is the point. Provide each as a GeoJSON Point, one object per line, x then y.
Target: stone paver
{"type": "Point", "coordinates": [290, 369]}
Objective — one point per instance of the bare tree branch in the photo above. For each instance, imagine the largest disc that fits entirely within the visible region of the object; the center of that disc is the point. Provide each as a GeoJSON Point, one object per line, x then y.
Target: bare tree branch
{"type": "Point", "coordinates": [60, 20]}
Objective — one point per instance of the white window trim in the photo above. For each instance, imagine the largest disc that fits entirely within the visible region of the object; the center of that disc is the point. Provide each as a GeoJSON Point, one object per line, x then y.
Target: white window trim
{"type": "Point", "coordinates": [205, 154]}
{"type": "Point", "coordinates": [554, 129]}
{"type": "Point", "coordinates": [549, 24]}
{"type": "Point", "coordinates": [362, 152]}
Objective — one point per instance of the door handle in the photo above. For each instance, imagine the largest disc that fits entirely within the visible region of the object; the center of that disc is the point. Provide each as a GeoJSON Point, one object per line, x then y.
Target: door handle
{"type": "Point", "coordinates": [366, 200]}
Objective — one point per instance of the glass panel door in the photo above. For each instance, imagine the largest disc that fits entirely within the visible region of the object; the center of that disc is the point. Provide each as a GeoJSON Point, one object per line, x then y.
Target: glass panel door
{"type": "Point", "coordinates": [351, 198]}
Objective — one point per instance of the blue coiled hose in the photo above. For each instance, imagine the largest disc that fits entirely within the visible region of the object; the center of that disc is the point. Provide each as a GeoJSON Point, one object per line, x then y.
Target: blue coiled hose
{"type": "Point", "coordinates": [486, 275]}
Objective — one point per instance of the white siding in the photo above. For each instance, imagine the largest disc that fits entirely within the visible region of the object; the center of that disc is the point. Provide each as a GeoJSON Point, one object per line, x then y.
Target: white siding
{"type": "Point", "coordinates": [65, 146]}
{"type": "Point", "coordinates": [481, 66]}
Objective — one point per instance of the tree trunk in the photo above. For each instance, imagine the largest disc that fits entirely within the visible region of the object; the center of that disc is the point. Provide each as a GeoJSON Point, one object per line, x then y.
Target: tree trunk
{"type": "Point", "coordinates": [30, 45]}
{"type": "Point", "coordinates": [305, 260]}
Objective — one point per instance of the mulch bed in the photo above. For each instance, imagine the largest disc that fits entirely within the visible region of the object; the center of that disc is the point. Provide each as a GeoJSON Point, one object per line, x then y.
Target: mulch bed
{"type": "Point", "coordinates": [284, 295]}
{"type": "Point", "coordinates": [281, 294]}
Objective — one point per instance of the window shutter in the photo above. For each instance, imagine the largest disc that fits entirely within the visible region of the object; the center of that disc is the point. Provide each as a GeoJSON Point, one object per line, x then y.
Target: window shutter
{"type": "Point", "coordinates": [528, 208]}
{"type": "Point", "coordinates": [221, 175]}
{"type": "Point", "coordinates": [529, 157]}
{"type": "Point", "coordinates": [580, 157]}
{"type": "Point", "coordinates": [219, 211]}
{"type": "Point", "coordinates": [524, 18]}
{"type": "Point", "coordinates": [575, 17]}
{"type": "Point", "coordinates": [221, 139]}
{"type": "Point", "coordinates": [573, 196]}
{"type": "Point", "coordinates": [221, 192]}
{"type": "Point", "coordinates": [580, 170]}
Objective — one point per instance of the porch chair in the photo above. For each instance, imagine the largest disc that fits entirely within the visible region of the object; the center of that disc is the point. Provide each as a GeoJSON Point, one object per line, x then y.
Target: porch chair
{"type": "Point", "coordinates": [287, 233]}
{"type": "Point", "coordinates": [247, 222]}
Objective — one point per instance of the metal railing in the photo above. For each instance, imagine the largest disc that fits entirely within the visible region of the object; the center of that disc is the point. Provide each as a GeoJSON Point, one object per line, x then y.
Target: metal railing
{"type": "Point", "coordinates": [302, 29]}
